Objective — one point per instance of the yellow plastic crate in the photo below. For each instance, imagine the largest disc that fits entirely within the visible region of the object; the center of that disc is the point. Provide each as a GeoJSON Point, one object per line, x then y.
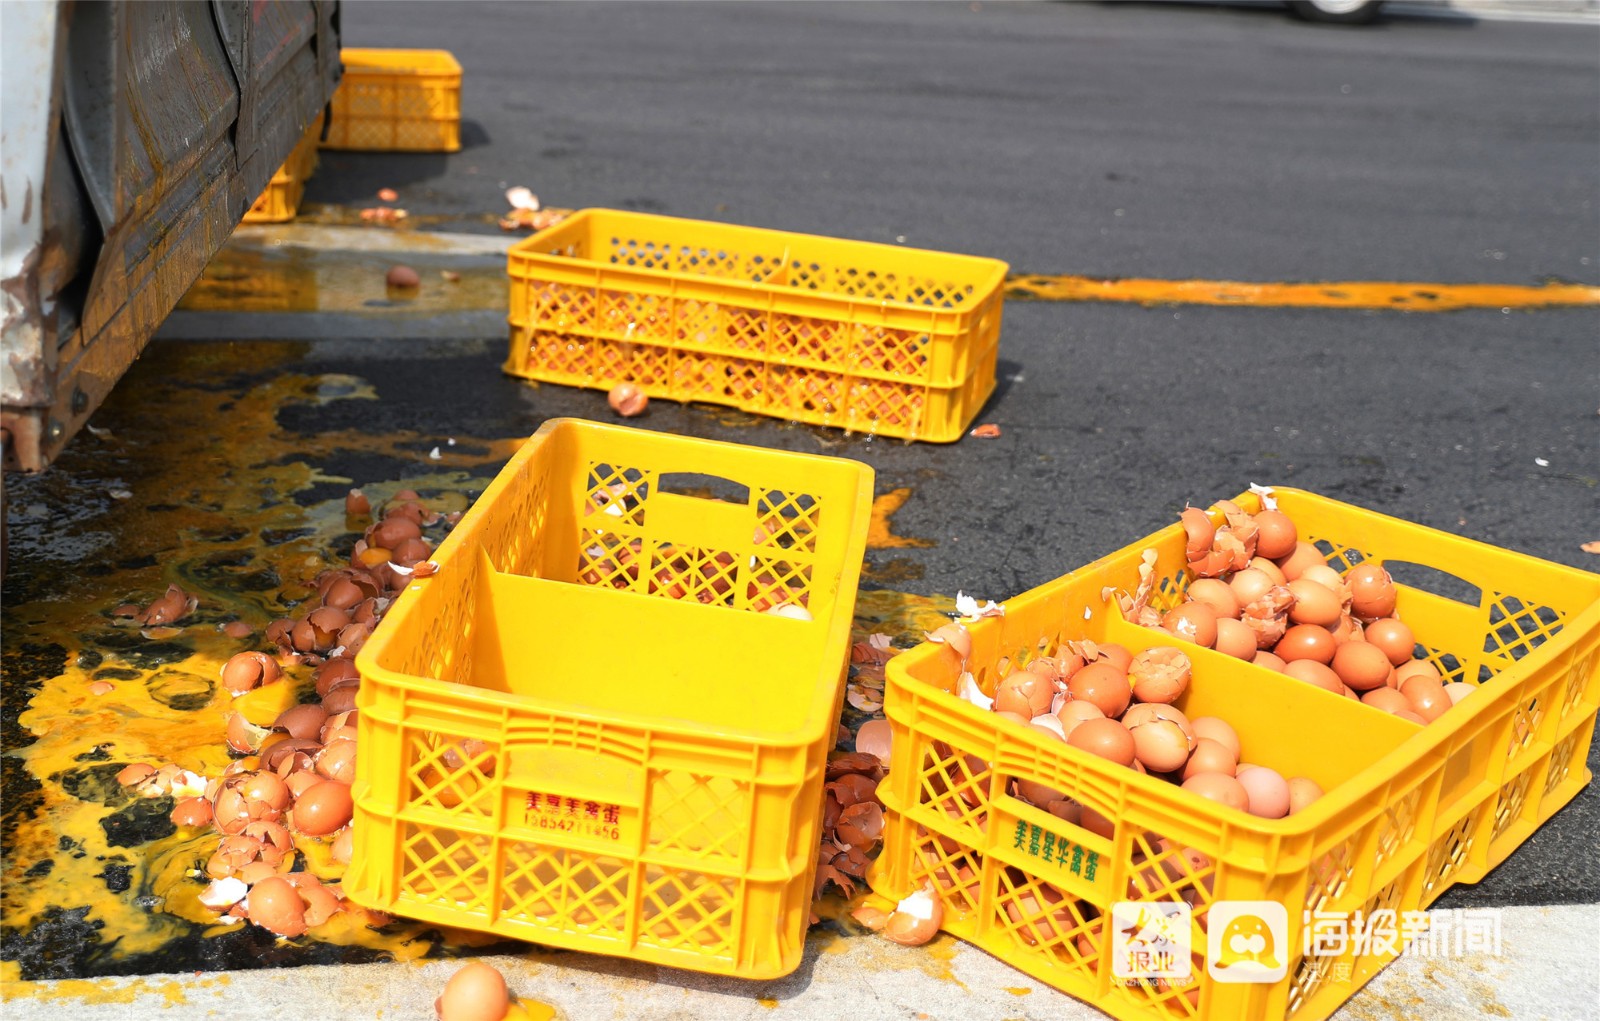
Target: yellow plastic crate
{"type": "Point", "coordinates": [871, 338]}
{"type": "Point", "coordinates": [1409, 810]}
{"type": "Point", "coordinates": [281, 199]}
{"type": "Point", "coordinates": [584, 732]}
{"type": "Point", "coordinates": [397, 101]}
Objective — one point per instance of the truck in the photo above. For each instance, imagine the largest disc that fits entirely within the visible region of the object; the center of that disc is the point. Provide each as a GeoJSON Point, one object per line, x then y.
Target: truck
{"type": "Point", "coordinates": [133, 138]}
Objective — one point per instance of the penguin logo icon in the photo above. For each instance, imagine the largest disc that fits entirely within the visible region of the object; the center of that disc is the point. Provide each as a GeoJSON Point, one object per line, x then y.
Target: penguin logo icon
{"type": "Point", "coordinates": [1245, 939]}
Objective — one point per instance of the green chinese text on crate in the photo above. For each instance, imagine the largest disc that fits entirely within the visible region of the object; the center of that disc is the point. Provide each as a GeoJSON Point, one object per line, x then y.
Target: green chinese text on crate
{"type": "Point", "coordinates": [586, 730]}
{"type": "Point", "coordinates": [1409, 810]}
{"type": "Point", "coordinates": [867, 337]}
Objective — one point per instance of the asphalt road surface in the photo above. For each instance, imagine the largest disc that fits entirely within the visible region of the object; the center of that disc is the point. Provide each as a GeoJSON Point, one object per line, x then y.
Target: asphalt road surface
{"type": "Point", "coordinates": [1183, 141]}
{"type": "Point", "coordinates": [1173, 141]}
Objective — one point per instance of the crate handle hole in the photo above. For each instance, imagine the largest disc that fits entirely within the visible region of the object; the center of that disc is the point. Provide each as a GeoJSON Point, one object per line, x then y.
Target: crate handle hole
{"type": "Point", "coordinates": [1434, 581]}
{"type": "Point", "coordinates": [704, 487]}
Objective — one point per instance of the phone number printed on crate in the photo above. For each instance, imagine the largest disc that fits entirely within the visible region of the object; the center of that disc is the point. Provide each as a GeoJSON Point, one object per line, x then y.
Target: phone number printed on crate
{"type": "Point", "coordinates": [571, 815]}
{"type": "Point", "coordinates": [1049, 847]}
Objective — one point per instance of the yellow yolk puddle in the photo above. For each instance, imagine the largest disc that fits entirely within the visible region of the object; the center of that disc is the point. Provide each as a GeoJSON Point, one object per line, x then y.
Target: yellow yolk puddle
{"type": "Point", "coordinates": [214, 501]}
{"type": "Point", "coordinates": [880, 533]}
{"type": "Point", "coordinates": [1405, 297]}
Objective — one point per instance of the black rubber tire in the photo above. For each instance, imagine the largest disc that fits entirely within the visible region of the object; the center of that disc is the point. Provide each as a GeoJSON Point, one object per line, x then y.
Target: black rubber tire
{"type": "Point", "coordinates": [1309, 10]}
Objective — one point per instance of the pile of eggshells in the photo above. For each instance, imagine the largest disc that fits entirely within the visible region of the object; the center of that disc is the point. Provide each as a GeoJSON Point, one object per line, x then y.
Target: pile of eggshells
{"type": "Point", "coordinates": [291, 782]}
{"type": "Point", "coordinates": [1111, 702]}
{"type": "Point", "coordinates": [1262, 595]}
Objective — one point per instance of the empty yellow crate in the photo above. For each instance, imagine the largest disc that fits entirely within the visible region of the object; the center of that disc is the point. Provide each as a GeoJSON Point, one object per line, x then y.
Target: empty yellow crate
{"type": "Point", "coordinates": [871, 338]}
{"type": "Point", "coordinates": [1409, 810]}
{"type": "Point", "coordinates": [281, 199]}
{"type": "Point", "coordinates": [397, 101]}
{"type": "Point", "coordinates": [585, 731]}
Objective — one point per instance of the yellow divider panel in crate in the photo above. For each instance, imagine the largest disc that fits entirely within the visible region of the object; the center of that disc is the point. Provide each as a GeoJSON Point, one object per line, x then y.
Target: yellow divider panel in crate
{"type": "Point", "coordinates": [586, 729]}
{"type": "Point", "coordinates": [1409, 810]}
{"type": "Point", "coordinates": [396, 100]}
{"type": "Point", "coordinates": [867, 337]}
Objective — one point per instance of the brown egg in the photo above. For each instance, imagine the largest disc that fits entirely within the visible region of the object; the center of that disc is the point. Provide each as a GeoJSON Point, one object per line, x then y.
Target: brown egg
{"type": "Point", "coordinates": [476, 992]}
{"type": "Point", "coordinates": [1372, 591]}
{"type": "Point", "coordinates": [1037, 794]}
{"type": "Point", "coordinates": [323, 808]}
{"type": "Point", "coordinates": [1105, 738]}
{"type": "Point", "coordinates": [1216, 594]}
{"type": "Point", "coordinates": [341, 699]}
{"type": "Point", "coordinates": [301, 779]}
{"type": "Point", "coordinates": [1306, 641]}
{"type": "Point", "coordinates": [1263, 658]}
{"type": "Point", "coordinates": [1269, 568]}
{"type": "Point", "coordinates": [1249, 585]}
{"type": "Point", "coordinates": [343, 594]}
{"type": "Point", "coordinates": [1275, 534]}
{"type": "Point", "coordinates": [1014, 717]}
{"type": "Point", "coordinates": [1221, 788]}
{"type": "Point", "coordinates": [1411, 716]}
{"type": "Point", "coordinates": [1045, 667]}
{"type": "Point", "coordinates": [627, 400]}
{"type": "Point", "coordinates": [1162, 736]}
{"type": "Point", "coordinates": [1025, 693]}
{"type": "Point", "coordinates": [1416, 668]}
{"type": "Point", "coordinates": [1103, 684]}
{"type": "Point", "coordinates": [1304, 556]}
{"type": "Point", "coordinates": [1267, 791]}
{"type": "Point", "coordinates": [1235, 639]}
{"type": "Point", "coordinates": [337, 761]}
{"type": "Point", "coordinates": [1195, 622]}
{"type": "Point", "coordinates": [332, 672]}
{"type": "Point", "coordinates": [1219, 730]}
{"type": "Point", "coordinates": [302, 721]}
{"type": "Point", "coordinates": [1160, 674]}
{"type": "Point", "coordinates": [1073, 713]}
{"type": "Point", "coordinates": [1361, 665]}
{"type": "Point", "coordinates": [262, 788]}
{"type": "Point", "coordinates": [275, 905]}
{"type": "Point", "coordinates": [1393, 637]}
{"type": "Point", "coordinates": [1313, 604]}
{"type": "Point", "coordinates": [247, 670]}
{"type": "Point", "coordinates": [1302, 792]}
{"type": "Point", "coordinates": [1427, 696]}
{"type": "Point", "coordinates": [1117, 655]}
{"type": "Point", "coordinates": [1312, 672]}
{"type": "Point", "coordinates": [392, 531]}
{"type": "Point", "coordinates": [242, 736]}
{"type": "Point", "coordinates": [1210, 756]}
{"type": "Point", "coordinates": [343, 848]}
{"type": "Point", "coordinates": [1387, 699]}
{"type": "Point", "coordinates": [191, 812]}
{"type": "Point", "coordinates": [1094, 822]}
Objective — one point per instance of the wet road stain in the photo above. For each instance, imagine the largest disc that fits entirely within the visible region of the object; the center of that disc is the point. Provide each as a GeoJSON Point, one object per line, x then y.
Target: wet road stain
{"type": "Point", "coordinates": [1368, 294]}
{"type": "Point", "coordinates": [192, 478]}
{"type": "Point", "coordinates": [246, 278]}
{"type": "Point", "coordinates": [97, 882]}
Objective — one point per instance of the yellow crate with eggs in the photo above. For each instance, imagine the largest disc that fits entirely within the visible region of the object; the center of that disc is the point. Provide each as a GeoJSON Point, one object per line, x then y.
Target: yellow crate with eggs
{"type": "Point", "coordinates": [396, 101]}
{"type": "Point", "coordinates": [603, 723]}
{"type": "Point", "coordinates": [867, 337]}
{"type": "Point", "coordinates": [1408, 812]}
